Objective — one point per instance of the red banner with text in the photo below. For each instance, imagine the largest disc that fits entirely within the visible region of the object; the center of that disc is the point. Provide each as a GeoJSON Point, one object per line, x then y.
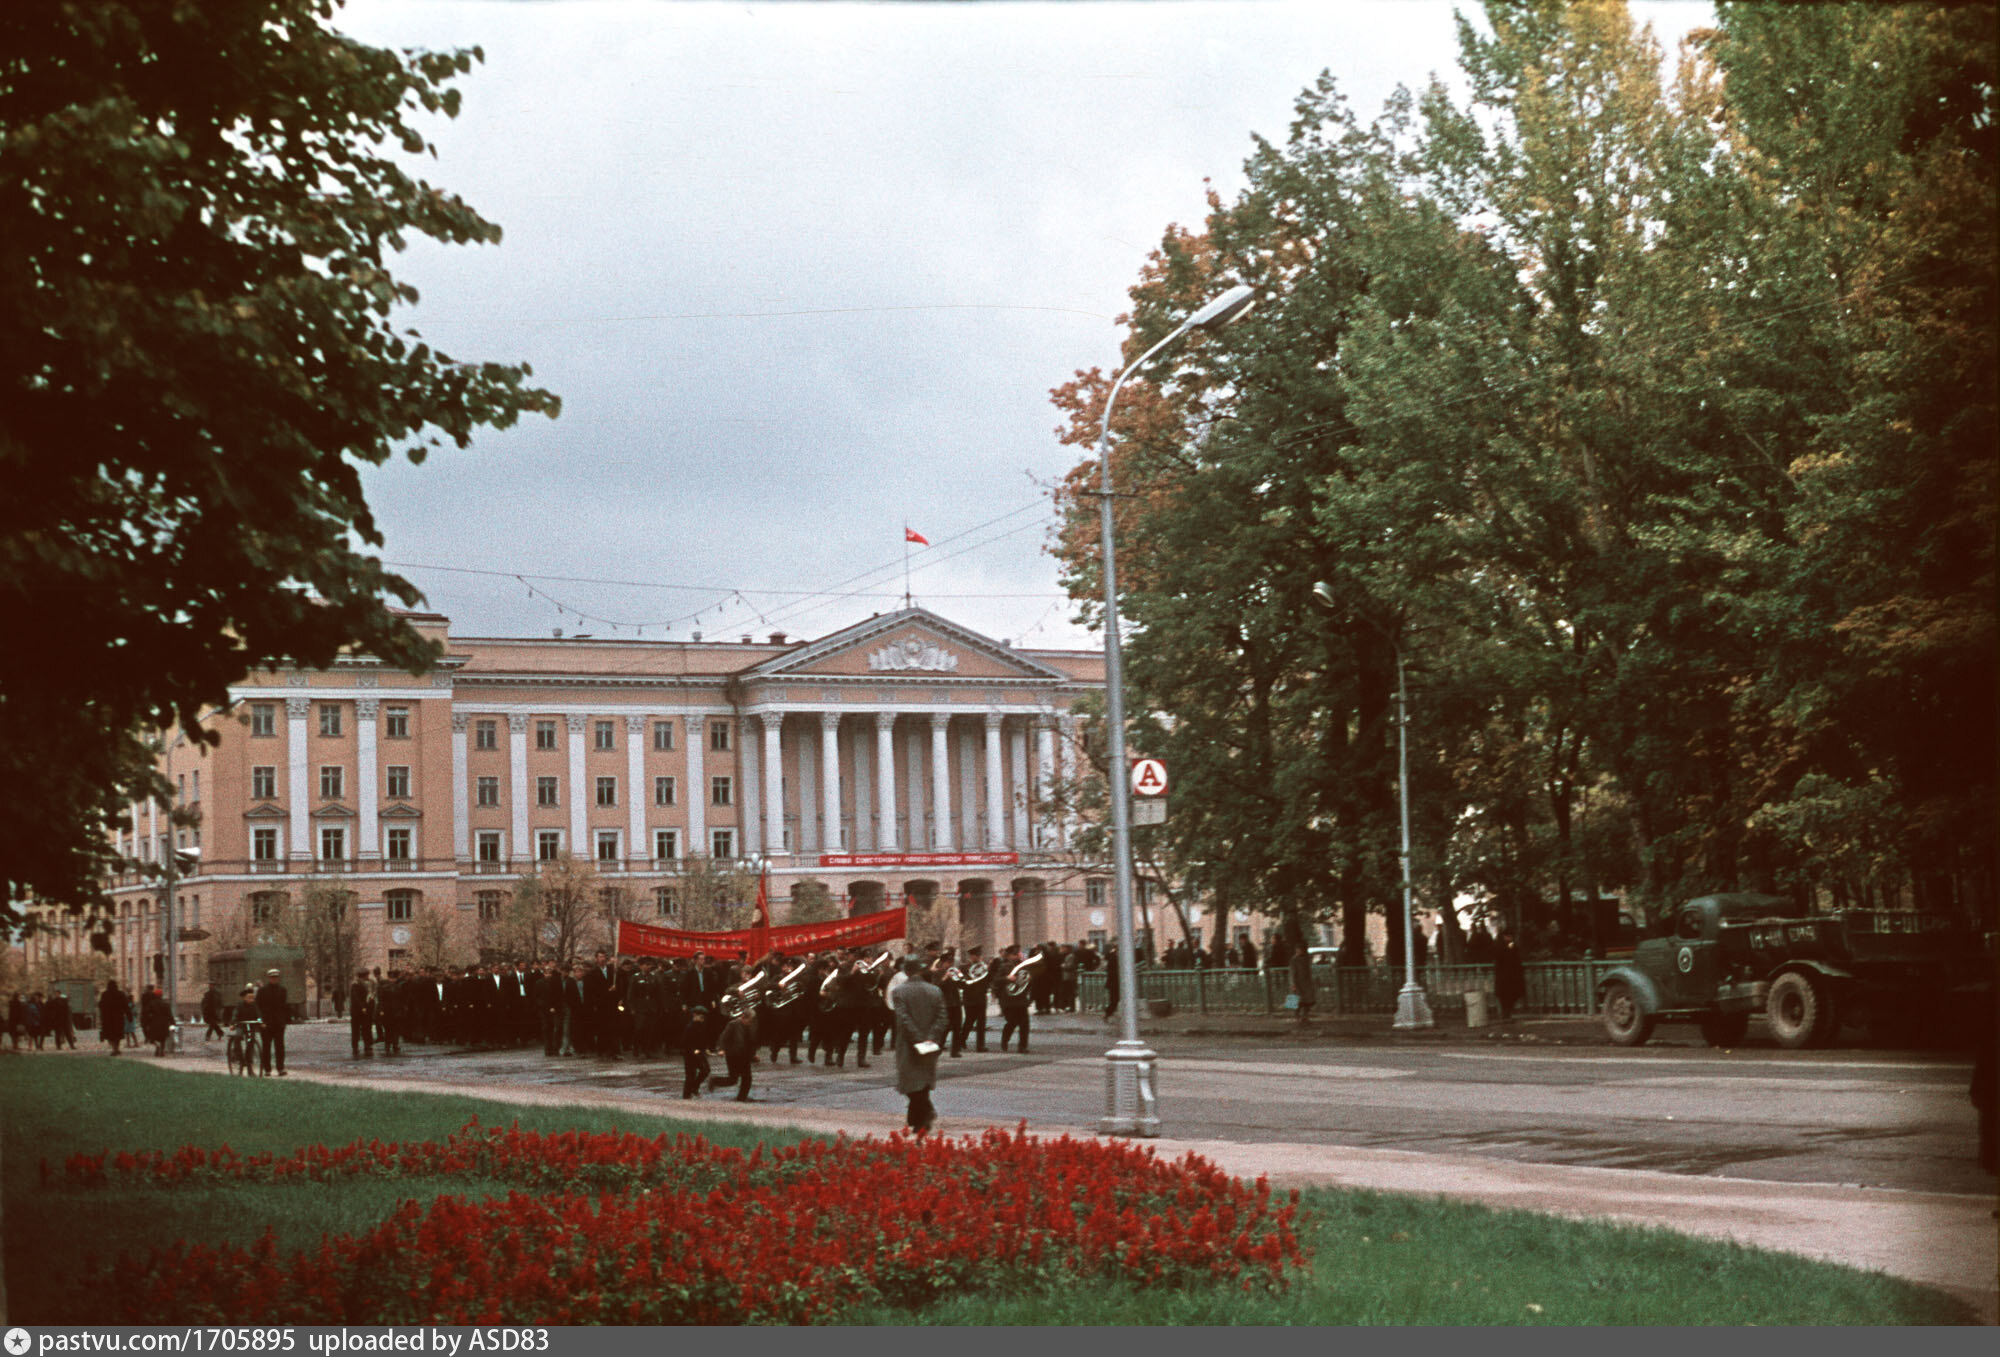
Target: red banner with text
{"type": "Point", "coordinates": [751, 943]}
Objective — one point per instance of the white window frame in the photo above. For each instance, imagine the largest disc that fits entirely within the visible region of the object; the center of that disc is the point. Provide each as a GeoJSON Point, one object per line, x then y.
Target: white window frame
{"type": "Point", "coordinates": [330, 724]}
{"type": "Point", "coordinates": [334, 776]}
{"type": "Point", "coordinates": [722, 844]}
{"type": "Point", "coordinates": [721, 790]}
{"type": "Point", "coordinates": [548, 791]}
{"type": "Point", "coordinates": [663, 736]}
{"type": "Point", "coordinates": [335, 835]}
{"type": "Point", "coordinates": [718, 736]}
{"type": "Point", "coordinates": [485, 734]}
{"type": "Point", "coordinates": [665, 788]}
{"type": "Point", "coordinates": [544, 840]}
{"type": "Point", "coordinates": [396, 723]}
{"type": "Point", "coordinates": [264, 782]}
{"type": "Point", "coordinates": [261, 836]}
{"type": "Point", "coordinates": [602, 839]}
{"type": "Point", "coordinates": [489, 838]}
{"type": "Point", "coordinates": [604, 735]}
{"type": "Point", "coordinates": [607, 790]}
{"type": "Point", "coordinates": [669, 839]}
{"type": "Point", "coordinates": [486, 791]}
{"type": "Point", "coordinates": [397, 773]}
{"type": "Point", "coordinates": [399, 906]}
{"type": "Point", "coordinates": [264, 719]}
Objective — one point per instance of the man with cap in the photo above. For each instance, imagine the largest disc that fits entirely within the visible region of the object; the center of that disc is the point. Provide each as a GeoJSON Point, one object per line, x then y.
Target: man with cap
{"type": "Point", "coordinates": [695, 1039]}
{"type": "Point", "coordinates": [274, 1007]}
{"type": "Point", "coordinates": [922, 1027]}
{"type": "Point", "coordinates": [361, 1015]}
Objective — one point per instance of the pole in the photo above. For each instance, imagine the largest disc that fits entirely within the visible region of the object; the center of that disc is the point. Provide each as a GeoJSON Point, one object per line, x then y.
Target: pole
{"type": "Point", "coordinates": [1413, 1010]}
{"type": "Point", "coordinates": [169, 935]}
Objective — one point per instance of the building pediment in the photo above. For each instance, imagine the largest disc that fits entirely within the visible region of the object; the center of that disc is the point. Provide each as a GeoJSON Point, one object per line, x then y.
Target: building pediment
{"type": "Point", "coordinates": [333, 812]}
{"type": "Point", "coordinates": [402, 811]}
{"type": "Point", "coordinates": [267, 811]}
{"type": "Point", "coordinates": [912, 645]}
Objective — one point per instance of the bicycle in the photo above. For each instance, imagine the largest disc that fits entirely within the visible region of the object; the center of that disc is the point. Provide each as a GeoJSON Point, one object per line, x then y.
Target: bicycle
{"type": "Point", "coordinates": [242, 1048]}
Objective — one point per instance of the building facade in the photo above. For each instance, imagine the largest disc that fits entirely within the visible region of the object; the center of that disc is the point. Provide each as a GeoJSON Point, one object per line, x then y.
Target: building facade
{"type": "Point", "coordinates": [905, 760]}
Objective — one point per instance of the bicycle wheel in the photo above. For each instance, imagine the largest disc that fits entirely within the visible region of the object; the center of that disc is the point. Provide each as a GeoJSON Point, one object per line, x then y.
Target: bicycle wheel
{"type": "Point", "coordinates": [235, 1055]}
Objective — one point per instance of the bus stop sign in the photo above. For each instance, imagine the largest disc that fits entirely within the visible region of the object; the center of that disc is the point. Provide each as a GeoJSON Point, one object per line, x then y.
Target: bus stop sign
{"type": "Point", "coordinates": [1149, 778]}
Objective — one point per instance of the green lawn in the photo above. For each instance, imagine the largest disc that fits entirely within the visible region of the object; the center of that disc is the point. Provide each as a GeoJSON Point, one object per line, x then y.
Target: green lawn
{"type": "Point", "coordinates": [1378, 1259]}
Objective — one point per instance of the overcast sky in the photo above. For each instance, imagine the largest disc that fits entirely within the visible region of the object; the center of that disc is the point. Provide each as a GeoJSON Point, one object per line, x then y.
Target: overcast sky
{"type": "Point", "coordinates": [804, 272]}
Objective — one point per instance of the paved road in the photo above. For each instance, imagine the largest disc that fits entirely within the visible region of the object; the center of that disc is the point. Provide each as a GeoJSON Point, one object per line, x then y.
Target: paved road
{"type": "Point", "coordinates": [1870, 1119]}
{"type": "Point", "coordinates": [1764, 1147]}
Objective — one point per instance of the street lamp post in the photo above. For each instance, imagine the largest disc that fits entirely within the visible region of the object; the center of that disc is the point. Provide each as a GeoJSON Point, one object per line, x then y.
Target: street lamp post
{"type": "Point", "coordinates": [1130, 1104]}
{"type": "Point", "coordinates": [1413, 1008]}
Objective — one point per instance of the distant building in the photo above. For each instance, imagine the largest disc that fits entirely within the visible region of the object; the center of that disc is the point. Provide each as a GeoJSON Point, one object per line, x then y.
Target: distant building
{"type": "Point", "coordinates": [903, 760]}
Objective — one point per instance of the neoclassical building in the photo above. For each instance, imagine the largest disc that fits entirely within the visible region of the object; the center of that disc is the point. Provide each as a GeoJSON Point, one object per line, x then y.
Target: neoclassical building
{"type": "Point", "coordinates": [903, 760]}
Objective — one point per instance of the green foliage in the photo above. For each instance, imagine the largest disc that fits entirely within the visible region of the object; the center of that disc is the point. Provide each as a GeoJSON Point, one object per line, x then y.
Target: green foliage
{"type": "Point", "coordinates": [1653, 425]}
{"type": "Point", "coordinates": [197, 353]}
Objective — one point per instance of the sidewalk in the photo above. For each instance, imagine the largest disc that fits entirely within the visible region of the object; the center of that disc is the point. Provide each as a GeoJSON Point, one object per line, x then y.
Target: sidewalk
{"type": "Point", "coordinates": [1940, 1240]}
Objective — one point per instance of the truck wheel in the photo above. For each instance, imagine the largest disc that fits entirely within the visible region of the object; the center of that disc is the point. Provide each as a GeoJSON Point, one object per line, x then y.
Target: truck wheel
{"type": "Point", "coordinates": [1625, 1022]}
{"type": "Point", "coordinates": [1725, 1029]}
{"type": "Point", "coordinates": [1798, 1010]}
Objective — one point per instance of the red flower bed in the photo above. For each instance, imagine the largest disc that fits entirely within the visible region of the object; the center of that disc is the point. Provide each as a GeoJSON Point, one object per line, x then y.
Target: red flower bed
{"type": "Point", "coordinates": [698, 1234]}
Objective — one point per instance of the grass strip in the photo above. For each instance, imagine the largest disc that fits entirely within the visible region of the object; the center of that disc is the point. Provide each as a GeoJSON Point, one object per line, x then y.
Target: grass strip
{"type": "Point", "coordinates": [1378, 1258]}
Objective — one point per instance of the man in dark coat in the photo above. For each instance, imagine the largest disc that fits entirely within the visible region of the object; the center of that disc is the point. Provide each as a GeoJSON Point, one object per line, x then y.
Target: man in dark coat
{"type": "Point", "coordinates": [696, 1038]}
{"type": "Point", "coordinates": [600, 998]}
{"type": "Point", "coordinates": [156, 1020]}
{"type": "Point", "coordinates": [922, 1027]}
{"type": "Point", "coordinates": [274, 1009]}
{"type": "Point", "coordinates": [950, 982]}
{"type": "Point", "coordinates": [972, 1001]}
{"type": "Point", "coordinates": [60, 1022]}
{"type": "Point", "coordinates": [1014, 1008]}
{"type": "Point", "coordinates": [211, 1012]}
{"type": "Point", "coordinates": [114, 1006]}
{"type": "Point", "coordinates": [1246, 953]}
{"type": "Point", "coordinates": [393, 999]}
{"type": "Point", "coordinates": [1304, 989]}
{"type": "Point", "coordinates": [360, 1016]}
{"type": "Point", "coordinates": [739, 1048]}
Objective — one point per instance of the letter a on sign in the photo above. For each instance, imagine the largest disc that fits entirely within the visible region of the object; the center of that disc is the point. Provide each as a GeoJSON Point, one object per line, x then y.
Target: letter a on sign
{"type": "Point", "coordinates": [1149, 778]}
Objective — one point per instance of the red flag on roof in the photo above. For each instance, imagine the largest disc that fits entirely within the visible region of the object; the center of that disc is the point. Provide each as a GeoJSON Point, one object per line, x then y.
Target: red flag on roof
{"type": "Point", "coordinates": [912, 535]}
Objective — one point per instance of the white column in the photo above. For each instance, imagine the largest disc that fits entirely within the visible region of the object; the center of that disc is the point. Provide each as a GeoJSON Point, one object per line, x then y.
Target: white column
{"type": "Point", "coordinates": [1072, 769]}
{"type": "Point", "coordinates": [298, 777]}
{"type": "Point", "coordinates": [809, 797]}
{"type": "Point", "coordinates": [968, 789]}
{"type": "Point", "coordinates": [748, 791]}
{"type": "Point", "coordinates": [636, 790]}
{"type": "Point", "coordinates": [941, 836]}
{"type": "Point", "coordinates": [697, 762]}
{"type": "Point", "coordinates": [917, 837]}
{"type": "Point", "coordinates": [1045, 780]}
{"type": "Point", "coordinates": [1017, 801]}
{"type": "Point", "coordinates": [996, 791]}
{"type": "Point", "coordinates": [461, 800]}
{"type": "Point", "coordinates": [519, 847]}
{"type": "Point", "coordinates": [367, 778]}
{"type": "Point", "coordinates": [774, 782]}
{"type": "Point", "coordinates": [885, 769]}
{"type": "Point", "coordinates": [861, 761]}
{"type": "Point", "coordinates": [829, 758]}
{"type": "Point", "coordinates": [579, 808]}
{"type": "Point", "coordinates": [152, 831]}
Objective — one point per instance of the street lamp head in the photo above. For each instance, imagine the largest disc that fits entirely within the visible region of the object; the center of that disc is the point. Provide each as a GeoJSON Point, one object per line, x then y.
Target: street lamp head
{"type": "Point", "coordinates": [1323, 595]}
{"type": "Point", "coordinates": [1225, 310]}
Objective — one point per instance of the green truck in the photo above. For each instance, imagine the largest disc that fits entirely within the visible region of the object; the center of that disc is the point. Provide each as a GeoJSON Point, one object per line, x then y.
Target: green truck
{"type": "Point", "coordinates": [1728, 957]}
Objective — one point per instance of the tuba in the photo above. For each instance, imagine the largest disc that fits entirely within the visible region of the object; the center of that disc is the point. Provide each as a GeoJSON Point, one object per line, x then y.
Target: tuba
{"type": "Point", "coordinates": [742, 999]}
{"type": "Point", "coordinates": [1016, 984]}
{"type": "Point", "coordinates": [791, 987]}
{"type": "Point", "coordinates": [828, 1000]}
{"type": "Point", "coordinates": [975, 973]}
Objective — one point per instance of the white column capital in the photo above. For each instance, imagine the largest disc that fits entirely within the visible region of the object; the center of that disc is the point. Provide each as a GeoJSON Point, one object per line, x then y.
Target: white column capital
{"type": "Point", "coordinates": [297, 708]}
{"type": "Point", "coordinates": [577, 724]}
{"type": "Point", "coordinates": [459, 721]}
{"type": "Point", "coordinates": [517, 723]}
{"type": "Point", "coordinates": [635, 725]}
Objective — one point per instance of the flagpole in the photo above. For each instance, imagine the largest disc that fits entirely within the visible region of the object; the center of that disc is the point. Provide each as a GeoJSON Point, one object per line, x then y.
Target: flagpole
{"type": "Point", "coordinates": [906, 563]}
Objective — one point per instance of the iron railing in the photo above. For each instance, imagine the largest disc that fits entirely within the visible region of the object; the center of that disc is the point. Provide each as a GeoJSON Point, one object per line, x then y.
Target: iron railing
{"type": "Point", "coordinates": [1553, 987]}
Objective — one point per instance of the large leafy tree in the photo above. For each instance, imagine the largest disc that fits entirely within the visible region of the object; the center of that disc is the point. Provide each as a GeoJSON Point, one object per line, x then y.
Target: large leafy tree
{"type": "Point", "coordinates": [198, 350]}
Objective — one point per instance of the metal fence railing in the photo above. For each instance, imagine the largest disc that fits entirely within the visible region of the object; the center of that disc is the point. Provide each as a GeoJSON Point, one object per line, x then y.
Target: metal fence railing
{"type": "Point", "coordinates": [1553, 987]}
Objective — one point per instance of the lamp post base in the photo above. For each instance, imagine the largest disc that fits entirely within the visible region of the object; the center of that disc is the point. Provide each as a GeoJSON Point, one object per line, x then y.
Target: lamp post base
{"type": "Point", "coordinates": [1413, 1009]}
{"type": "Point", "coordinates": [1131, 1107]}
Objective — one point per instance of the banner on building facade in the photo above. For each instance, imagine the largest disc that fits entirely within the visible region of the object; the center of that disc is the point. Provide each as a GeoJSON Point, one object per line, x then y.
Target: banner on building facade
{"type": "Point", "coordinates": [866, 931]}
{"type": "Point", "coordinates": [918, 859]}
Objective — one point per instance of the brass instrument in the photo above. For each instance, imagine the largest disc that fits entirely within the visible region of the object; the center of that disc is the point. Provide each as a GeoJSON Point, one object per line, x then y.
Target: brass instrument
{"type": "Point", "coordinates": [828, 1000]}
{"type": "Point", "coordinates": [975, 973]}
{"type": "Point", "coordinates": [742, 999]}
{"type": "Point", "coordinates": [1016, 984]}
{"type": "Point", "coordinates": [791, 987]}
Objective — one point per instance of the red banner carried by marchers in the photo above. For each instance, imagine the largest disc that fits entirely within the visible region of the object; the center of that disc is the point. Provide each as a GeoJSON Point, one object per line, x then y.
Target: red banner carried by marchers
{"type": "Point", "coordinates": [752, 943]}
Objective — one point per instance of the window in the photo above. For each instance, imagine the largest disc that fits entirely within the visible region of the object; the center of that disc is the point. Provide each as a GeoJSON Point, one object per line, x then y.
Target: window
{"type": "Point", "coordinates": [399, 957]}
{"type": "Point", "coordinates": [264, 906]}
{"type": "Point", "coordinates": [332, 844]}
{"type": "Point", "coordinates": [607, 845]}
{"type": "Point", "coordinates": [545, 735]}
{"type": "Point", "coordinates": [263, 718]}
{"type": "Point", "coordinates": [396, 723]}
{"type": "Point", "coordinates": [180, 787]}
{"type": "Point", "coordinates": [489, 791]}
{"type": "Point", "coordinates": [399, 906]}
{"type": "Point", "coordinates": [399, 845]}
{"type": "Point", "coordinates": [197, 784]}
{"type": "Point", "coordinates": [399, 782]}
{"type": "Point", "coordinates": [605, 738]}
{"type": "Point", "coordinates": [489, 905]}
{"type": "Point", "coordinates": [718, 735]}
{"type": "Point", "coordinates": [264, 782]}
{"type": "Point", "coordinates": [607, 791]}
{"type": "Point", "coordinates": [548, 845]}
{"type": "Point", "coordinates": [264, 845]}
{"type": "Point", "coordinates": [666, 845]}
{"type": "Point", "coordinates": [330, 782]}
{"type": "Point", "coordinates": [663, 734]}
{"type": "Point", "coordinates": [1097, 940]}
{"type": "Point", "coordinates": [191, 911]}
{"type": "Point", "coordinates": [722, 843]}
{"type": "Point", "coordinates": [329, 719]}
{"type": "Point", "coordinates": [1094, 891]}
{"type": "Point", "coordinates": [663, 791]}
{"type": "Point", "coordinates": [485, 734]}
{"type": "Point", "coordinates": [718, 791]}
{"type": "Point", "coordinates": [488, 845]}
{"type": "Point", "coordinates": [545, 792]}
{"type": "Point", "coordinates": [666, 902]}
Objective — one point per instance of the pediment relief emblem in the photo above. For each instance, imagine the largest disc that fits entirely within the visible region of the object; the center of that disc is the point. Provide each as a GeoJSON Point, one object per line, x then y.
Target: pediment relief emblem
{"type": "Point", "coordinates": [913, 652]}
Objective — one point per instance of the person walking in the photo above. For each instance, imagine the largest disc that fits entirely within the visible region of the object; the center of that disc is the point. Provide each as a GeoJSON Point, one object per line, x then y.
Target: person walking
{"type": "Point", "coordinates": [360, 1016]}
{"type": "Point", "coordinates": [114, 1006]}
{"type": "Point", "coordinates": [211, 1012]}
{"type": "Point", "coordinates": [696, 1039]}
{"type": "Point", "coordinates": [739, 1049]}
{"type": "Point", "coordinates": [1016, 997]}
{"type": "Point", "coordinates": [922, 1025]}
{"type": "Point", "coordinates": [156, 1019]}
{"type": "Point", "coordinates": [274, 1010]}
{"type": "Point", "coordinates": [1304, 990]}
{"type": "Point", "coordinates": [56, 1016]}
